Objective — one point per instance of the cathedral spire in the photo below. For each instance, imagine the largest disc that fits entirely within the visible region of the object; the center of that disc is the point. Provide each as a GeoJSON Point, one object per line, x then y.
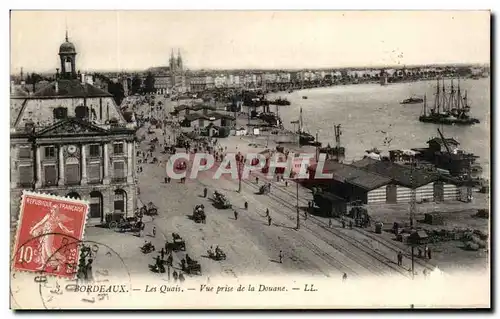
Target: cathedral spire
{"type": "Point", "coordinates": [67, 40]}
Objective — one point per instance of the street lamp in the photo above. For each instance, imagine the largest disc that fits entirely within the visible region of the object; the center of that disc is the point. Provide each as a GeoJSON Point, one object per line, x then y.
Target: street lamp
{"type": "Point", "coordinates": [239, 161]}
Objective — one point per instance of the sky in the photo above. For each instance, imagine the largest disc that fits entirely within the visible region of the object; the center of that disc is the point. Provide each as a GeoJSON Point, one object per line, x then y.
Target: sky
{"type": "Point", "coordinates": [137, 40]}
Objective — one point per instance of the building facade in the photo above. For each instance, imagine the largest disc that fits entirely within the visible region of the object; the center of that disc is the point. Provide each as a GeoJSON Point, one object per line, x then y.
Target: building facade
{"type": "Point", "coordinates": [70, 139]}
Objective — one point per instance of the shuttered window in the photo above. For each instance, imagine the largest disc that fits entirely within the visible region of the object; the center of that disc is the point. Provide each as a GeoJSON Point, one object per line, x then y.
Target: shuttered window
{"type": "Point", "coordinates": [94, 150]}
{"type": "Point", "coordinates": [50, 152]}
{"type": "Point", "coordinates": [119, 203]}
{"type": "Point", "coordinates": [72, 174]}
{"type": "Point", "coordinates": [118, 148]}
{"type": "Point", "coordinates": [50, 175]}
{"type": "Point", "coordinates": [24, 152]}
{"type": "Point", "coordinates": [94, 173]}
{"type": "Point", "coordinates": [119, 171]}
{"type": "Point", "coordinates": [26, 175]}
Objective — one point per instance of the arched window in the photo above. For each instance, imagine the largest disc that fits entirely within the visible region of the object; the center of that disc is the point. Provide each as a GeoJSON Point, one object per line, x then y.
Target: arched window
{"type": "Point", "coordinates": [67, 64]}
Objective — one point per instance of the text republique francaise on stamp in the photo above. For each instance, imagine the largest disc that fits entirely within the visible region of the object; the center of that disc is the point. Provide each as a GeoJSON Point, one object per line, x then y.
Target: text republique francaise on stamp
{"type": "Point", "coordinates": [47, 226]}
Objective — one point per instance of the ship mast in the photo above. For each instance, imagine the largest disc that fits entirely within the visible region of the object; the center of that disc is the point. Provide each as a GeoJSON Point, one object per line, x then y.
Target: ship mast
{"type": "Point", "coordinates": [443, 97]}
{"type": "Point", "coordinates": [300, 121]}
{"type": "Point", "coordinates": [437, 99]}
{"type": "Point", "coordinates": [425, 104]}
{"type": "Point", "coordinates": [451, 101]}
{"type": "Point", "coordinates": [337, 136]}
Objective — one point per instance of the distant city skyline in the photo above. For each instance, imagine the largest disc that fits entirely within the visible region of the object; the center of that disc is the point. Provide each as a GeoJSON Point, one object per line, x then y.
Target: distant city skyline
{"type": "Point", "coordinates": [222, 40]}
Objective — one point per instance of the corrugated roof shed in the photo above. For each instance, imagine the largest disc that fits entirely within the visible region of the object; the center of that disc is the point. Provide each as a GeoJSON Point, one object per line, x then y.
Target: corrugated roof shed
{"type": "Point", "coordinates": [401, 174]}
{"type": "Point", "coordinates": [361, 178]}
{"type": "Point", "coordinates": [364, 162]}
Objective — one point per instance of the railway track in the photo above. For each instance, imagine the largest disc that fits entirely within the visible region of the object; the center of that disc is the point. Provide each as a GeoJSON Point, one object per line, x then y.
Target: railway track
{"type": "Point", "coordinates": [372, 237]}
{"type": "Point", "coordinates": [367, 264]}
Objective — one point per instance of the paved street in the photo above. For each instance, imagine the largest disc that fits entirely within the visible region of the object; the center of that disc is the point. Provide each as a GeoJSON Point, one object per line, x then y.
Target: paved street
{"type": "Point", "coordinates": [251, 245]}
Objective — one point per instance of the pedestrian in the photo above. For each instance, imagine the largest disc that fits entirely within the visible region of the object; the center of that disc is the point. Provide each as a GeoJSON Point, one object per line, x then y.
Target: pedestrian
{"type": "Point", "coordinates": [344, 277]}
{"type": "Point", "coordinates": [426, 250]}
{"type": "Point", "coordinates": [246, 205]}
{"type": "Point", "coordinates": [343, 223]}
{"type": "Point", "coordinates": [158, 261]}
{"type": "Point", "coordinates": [183, 264]}
{"type": "Point", "coordinates": [400, 258]}
{"type": "Point", "coordinates": [256, 180]}
{"type": "Point", "coordinates": [419, 253]}
{"type": "Point", "coordinates": [170, 260]}
{"type": "Point", "coordinates": [181, 278]}
{"type": "Point", "coordinates": [286, 183]}
{"type": "Point", "coordinates": [154, 231]}
{"type": "Point", "coordinates": [162, 253]}
{"type": "Point", "coordinates": [175, 275]}
{"type": "Point", "coordinates": [235, 215]}
{"type": "Point", "coordinates": [269, 220]}
{"type": "Point", "coordinates": [281, 257]}
{"type": "Point", "coordinates": [350, 224]}
{"type": "Point", "coordinates": [429, 254]}
{"type": "Point", "coordinates": [330, 223]}
{"type": "Point", "coordinates": [305, 215]}
{"type": "Point", "coordinates": [267, 212]}
{"type": "Point", "coordinates": [141, 231]}
{"type": "Point", "coordinates": [205, 192]}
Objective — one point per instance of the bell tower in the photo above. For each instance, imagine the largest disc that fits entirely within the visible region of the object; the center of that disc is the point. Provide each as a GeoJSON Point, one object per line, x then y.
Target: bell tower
{"type": "Point", "coordinates": [67, 55]}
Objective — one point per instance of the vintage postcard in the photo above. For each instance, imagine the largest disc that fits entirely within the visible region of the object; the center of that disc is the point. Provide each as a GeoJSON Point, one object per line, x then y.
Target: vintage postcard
{"type": "Point", "coordinates": [250, 159]}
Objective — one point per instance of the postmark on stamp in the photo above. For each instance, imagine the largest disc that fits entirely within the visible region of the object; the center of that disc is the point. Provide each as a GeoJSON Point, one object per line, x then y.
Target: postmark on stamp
{"type": "Point", "coordinates": [41, 217]}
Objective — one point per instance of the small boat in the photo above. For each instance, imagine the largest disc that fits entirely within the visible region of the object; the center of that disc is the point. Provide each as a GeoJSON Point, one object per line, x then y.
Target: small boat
{"type": "Point", "coordinates": [304, 97]}
{"type": "Point", "coordinates": [413, 100]}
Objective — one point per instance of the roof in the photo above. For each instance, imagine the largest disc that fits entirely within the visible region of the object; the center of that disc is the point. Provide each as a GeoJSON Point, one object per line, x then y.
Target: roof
{"type": "Point", "coordinates": [440, 141]}
{"type": "Point", "coordinates": [329, 167]}
{"type": "Point", "coordinates": [202, 107]}
{"type": "Point", "coordinates": [70, 88]}
{"type": "Point", "coordinates": [67, 47]}
{"type": "Point", "coordinates": [401, 174]}
{"type": "Point", "coordinates": [364, 162]}
{"type": "Point", "coordinates": [361, 178]}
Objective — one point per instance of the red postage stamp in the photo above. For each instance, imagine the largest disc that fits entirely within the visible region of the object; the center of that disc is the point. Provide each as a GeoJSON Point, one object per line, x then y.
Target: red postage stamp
{"type": "Point", "coordinates": [49, 229]}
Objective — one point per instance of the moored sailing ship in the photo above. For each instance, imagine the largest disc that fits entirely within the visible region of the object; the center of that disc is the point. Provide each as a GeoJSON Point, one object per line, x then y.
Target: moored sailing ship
{"type": "Point", "coordinates": [338, 152]}
{"type": "Point", "coordinates": [305, 138]}
{"type": "Point", "coordinates": [449, 107]}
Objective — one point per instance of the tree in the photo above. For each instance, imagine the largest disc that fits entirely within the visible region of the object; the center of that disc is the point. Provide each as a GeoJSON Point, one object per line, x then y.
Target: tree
{"type": "Point", "coordinates": [116, 89]}
{"type": "Point", "coordinates": [149, 83]}
{"type": "Point", "coordinates": [136, 84]}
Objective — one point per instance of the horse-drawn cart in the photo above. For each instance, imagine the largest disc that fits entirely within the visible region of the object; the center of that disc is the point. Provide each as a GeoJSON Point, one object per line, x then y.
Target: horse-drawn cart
{"type": "Point", "coordinates": [149, 210]}
{"type": "Point", "coordinates": [119, 221]}
{"type": "Point", "coordinates": [192, 267]}
{"type": "Point", "coordinates": [178, 243]}
{"type": "Point", "coordinates": [220, 200]}
{"type": "Point", "coordinates": [265, 189]}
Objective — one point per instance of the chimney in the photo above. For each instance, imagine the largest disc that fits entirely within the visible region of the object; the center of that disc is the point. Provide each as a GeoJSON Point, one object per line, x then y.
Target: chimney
{"type": "Point", "coordinates": [57, 87]}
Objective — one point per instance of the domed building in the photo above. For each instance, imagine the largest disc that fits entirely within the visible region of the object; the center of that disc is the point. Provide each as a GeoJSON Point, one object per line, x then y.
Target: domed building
{"type": "Point", "coordinates": [70, 138]}
{"type": "Point", "coordinates": [67, 54]}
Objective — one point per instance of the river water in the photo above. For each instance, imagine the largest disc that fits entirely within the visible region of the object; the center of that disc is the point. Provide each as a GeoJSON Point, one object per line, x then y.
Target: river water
{"type": "Point", "coordinates": [366, 111]}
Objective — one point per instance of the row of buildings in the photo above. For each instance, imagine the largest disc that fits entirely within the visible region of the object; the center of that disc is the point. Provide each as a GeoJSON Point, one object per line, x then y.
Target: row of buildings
{"type": "Point", "coordinates": [188, 81]}
{"type": "Point", "coordinates": [69, 138]}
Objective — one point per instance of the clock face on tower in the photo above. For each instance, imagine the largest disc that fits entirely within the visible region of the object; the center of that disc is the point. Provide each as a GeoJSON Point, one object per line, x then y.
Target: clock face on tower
{"type": "Point", "coordinates": [71, 149]}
